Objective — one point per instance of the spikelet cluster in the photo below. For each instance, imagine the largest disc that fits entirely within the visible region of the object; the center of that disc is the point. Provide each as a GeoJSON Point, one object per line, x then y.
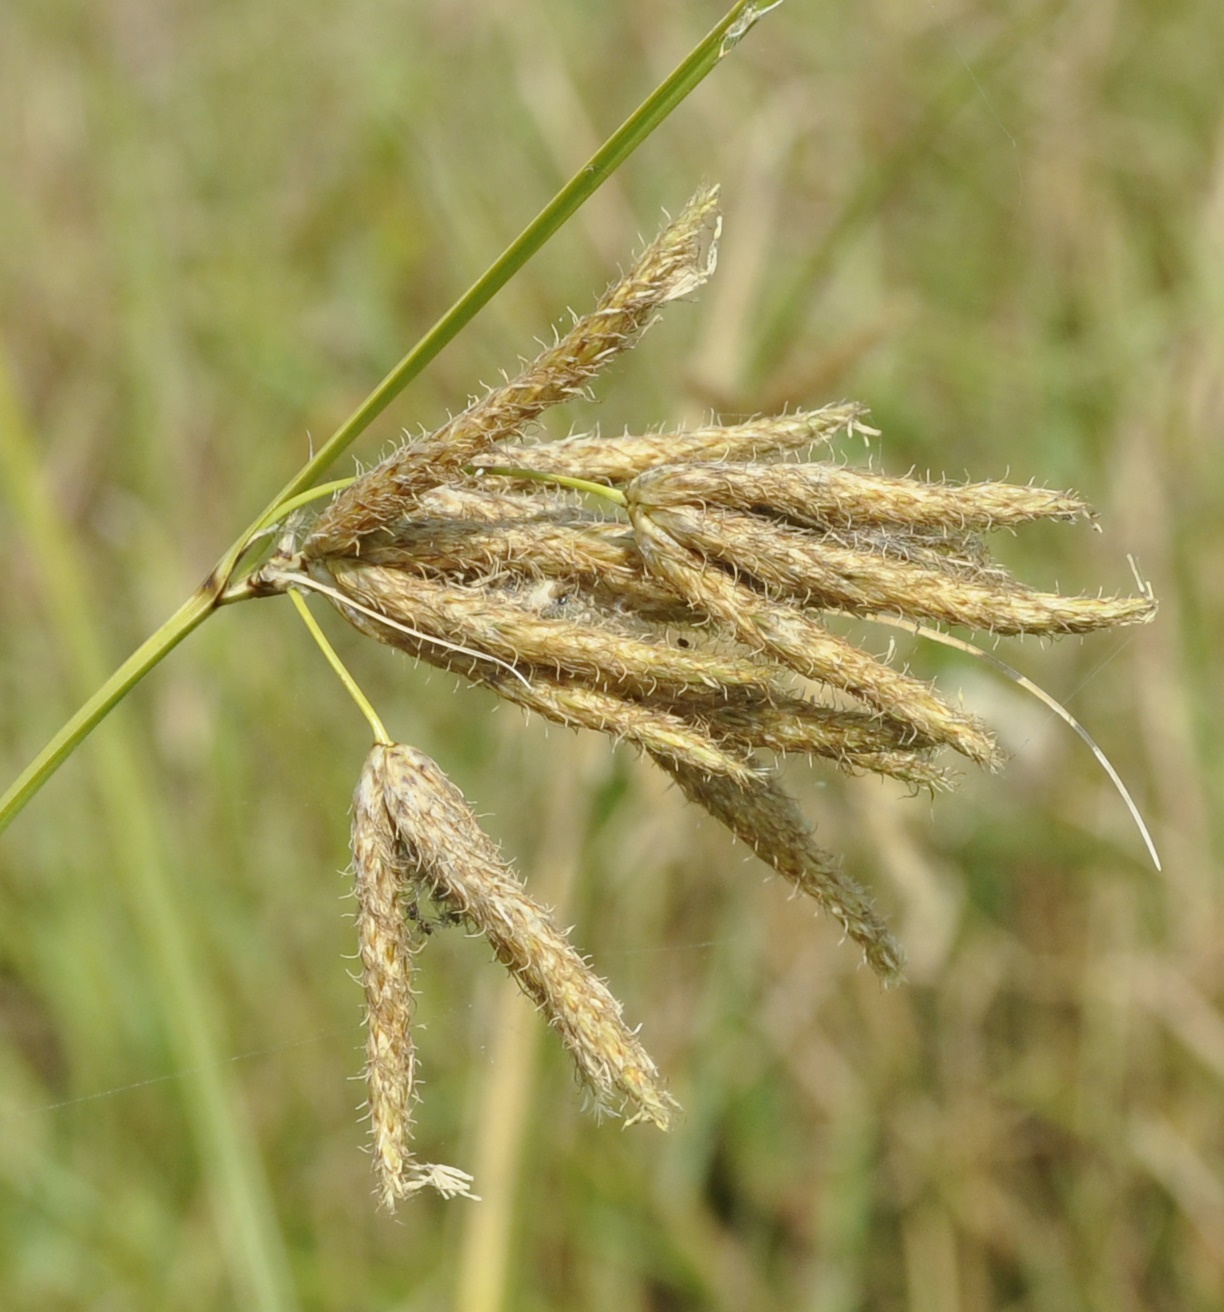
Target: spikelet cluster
{"type": "Point", "coordinates": [674, 613]}
{"type": "Point", "coordinates": [414, 836]}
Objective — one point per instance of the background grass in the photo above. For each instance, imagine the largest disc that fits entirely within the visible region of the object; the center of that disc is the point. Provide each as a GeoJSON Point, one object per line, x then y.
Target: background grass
{"type": "Point", "coordinates": [1000, 226]}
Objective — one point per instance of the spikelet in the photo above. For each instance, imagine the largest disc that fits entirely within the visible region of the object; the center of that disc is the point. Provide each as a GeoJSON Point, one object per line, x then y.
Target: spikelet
{"type": "Point", "coordinates": [387, 943]}
{"type": "Point", "coordinates": [832, 496]}
{"type": "Point", "coordinates": [443, 844]}
{"type": "Point", "coordinates": [533, 630]}
{"type": "Point", "coordinates": [768, 819]}
{"type": "Point", "coordinates": [857, 741]}
{"type": "Point", "coordinates": [618, 459]}
{"type": "Point", "coordinates": [674, 265]}
{"type": "Point", "coordinates": [821, 571]}
{"type": "Point", "coordinates": [788, 634]}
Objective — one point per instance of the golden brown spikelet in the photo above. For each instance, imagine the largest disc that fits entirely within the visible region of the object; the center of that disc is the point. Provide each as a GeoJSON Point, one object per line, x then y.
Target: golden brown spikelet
{"type": "Point", "coordinates": [856, 741]}
{"type": "Point", "coordinates": [824, 495]}
{"type": "Point", "coordinates": [532, 630]}
{"type": "Point", "coordinates": [387, 943]}
{"type": "Point", "coordinates": [675, 264]}
{"type": "Point", "coordinates": [787, 634]}
{"type": "Point", "coordinates": [618, 459]}
{"type": "Point", "coordinates": [685, 738]}
{"type": "Point", "coordinates": [819, 572]}
{"type": "Point", "coordinates": [768, 819]}
{"type": "Point", "coordinates": [442, 842]}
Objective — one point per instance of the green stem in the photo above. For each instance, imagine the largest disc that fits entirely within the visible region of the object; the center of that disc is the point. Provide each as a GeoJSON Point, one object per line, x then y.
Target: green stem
{"type": "Point", "coordinates": [623, 142]}
{"type": "Point", "coordinates": [354, 691]}
{"type": "Point", "coordinates": [612, 494]}
{"type": "Point", "coordinates": [277, 513]}
{"type": "Point", "coordinates": [190, 615]}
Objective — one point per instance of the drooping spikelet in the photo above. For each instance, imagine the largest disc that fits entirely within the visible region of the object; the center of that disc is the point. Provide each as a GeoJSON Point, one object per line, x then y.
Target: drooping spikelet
{"type": "Point", "coordinates": [387, 942]}
{"type": "Point", "coordinates": [768, 819]}
{"type": "Point", "coordinates": [446, 850]}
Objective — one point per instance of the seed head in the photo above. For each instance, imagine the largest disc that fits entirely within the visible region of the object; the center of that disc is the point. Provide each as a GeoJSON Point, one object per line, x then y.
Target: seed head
{"type": "Point", "coordinates": [679, 615]}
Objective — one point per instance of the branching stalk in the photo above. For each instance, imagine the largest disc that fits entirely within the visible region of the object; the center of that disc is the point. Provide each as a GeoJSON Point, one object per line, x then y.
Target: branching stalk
{"type": "Point", "coordinates": [381, 736]}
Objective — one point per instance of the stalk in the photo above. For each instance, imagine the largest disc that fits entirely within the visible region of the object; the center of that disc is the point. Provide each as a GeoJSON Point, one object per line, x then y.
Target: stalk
{"type": "Point", "coordinates": [190, 615]}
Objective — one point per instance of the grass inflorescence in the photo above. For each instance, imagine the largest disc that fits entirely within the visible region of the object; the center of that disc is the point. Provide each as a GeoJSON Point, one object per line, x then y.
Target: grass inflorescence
{"type": "Point", "coordinates": [678, 601]}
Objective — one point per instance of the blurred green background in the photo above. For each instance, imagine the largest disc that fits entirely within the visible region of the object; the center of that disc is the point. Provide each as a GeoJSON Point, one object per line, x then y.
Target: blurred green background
{"type": "Point", "coordinates": [1001, 226]}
